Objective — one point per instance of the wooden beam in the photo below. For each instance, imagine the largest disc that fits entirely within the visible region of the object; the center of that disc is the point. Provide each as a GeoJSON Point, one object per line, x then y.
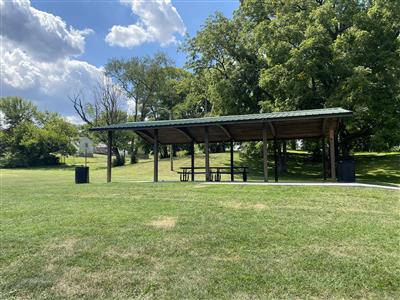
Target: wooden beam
{"type": "Point", "coordinates": [192, 159]}
{"type": "Point", "coordinates": [155, 151]}
{"type": "Point", "coordinates": [109, 155]}
{"type": "Point", "coordinates": [207, 154]}
{"type": "Point", "coordinates": [145, 135]}
{"type": "Point", "coordinates": [265, 152]}
{"type": "Point", "coordinates": [332, 152]}
{"type": "Point", "coordinates": [324, 157]}
{"type": "Point", "coordinates": [186, 133]}
{"type": "Point", "coordinates": [324, 121]}
{"type": "Point", "coordinates": [171, 157]}
{"type": "Point", "coordinates": [226, 131]}
{"type": "Point", "coordinates": [272, 127]}
{"type": "Point", "coordinates": [275, 160]}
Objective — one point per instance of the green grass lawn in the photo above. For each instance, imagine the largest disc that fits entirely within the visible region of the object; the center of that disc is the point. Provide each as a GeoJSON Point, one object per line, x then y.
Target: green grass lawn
{"type": "Point", "coordinates": [370, 167]}
{"type": "Point", "coordinates": [190, 240]}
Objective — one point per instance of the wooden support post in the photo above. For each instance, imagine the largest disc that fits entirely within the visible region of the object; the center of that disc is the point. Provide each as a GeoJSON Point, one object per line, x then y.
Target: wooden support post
{"type": "Point", "coordinates": [192, 159]}
{"type": "Point", "coordinates": [207, 153]}
{"type": "Point", "coordinates": [155, 151]}
{"type": "Point", "coordinates": [332, 152]}
{"type": "Point", "coordinates": [324, 157]}
{"type": "Point", "coordinates": [171, 156]}
{"type": "Point", "coordinates": [109, 155]}
{"type": "Point", "coordinates": [275, 160]}
{"type": "Point", "coordinates": [265, 153]}
{"type": "Point", "coordinates": [232, 173]}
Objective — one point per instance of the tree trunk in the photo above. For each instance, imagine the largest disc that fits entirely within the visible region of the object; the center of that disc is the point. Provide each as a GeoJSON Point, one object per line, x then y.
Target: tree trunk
{"type": "Point", "coordinates": [116, 152]}
{"type": "Point", "coordinates": [284, 162]}
{"type": "Point", "coordinates": [282, 167]}
{"type": "Point", "coordinates": [133, 152]}
{"type": "Point", "coordinates": [163, 150]}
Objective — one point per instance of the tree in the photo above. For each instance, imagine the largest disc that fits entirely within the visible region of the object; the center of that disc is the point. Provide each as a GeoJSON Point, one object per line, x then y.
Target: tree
{"type": "Point", "coordinates": [30, 137]}
{"type": "Point", "coordinates": [106, 108]}
{"type": "Point", "coordinates": [278, 55]}
{"type": "Point", "coordinates": [141, 80]}
{"type": "Point", "coordinates": [223, 56]}
{"type": "Point", "coordinates": [333, 53]}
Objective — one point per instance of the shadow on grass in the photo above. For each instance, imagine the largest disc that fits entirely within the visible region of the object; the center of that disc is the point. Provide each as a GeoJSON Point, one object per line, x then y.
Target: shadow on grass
{"type": "Point", "coordinates": [378, 168]}
{"type": "Point", "coordinates": [370, 168]}
{"type": "Point", "coordinates": [300, 168]}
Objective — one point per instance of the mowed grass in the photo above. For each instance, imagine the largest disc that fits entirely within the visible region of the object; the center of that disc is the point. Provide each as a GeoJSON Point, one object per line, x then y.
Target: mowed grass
{"type": "Point", "coordinates": [378, 168]}
{"type": "Point", "coordinates": [190, 240]}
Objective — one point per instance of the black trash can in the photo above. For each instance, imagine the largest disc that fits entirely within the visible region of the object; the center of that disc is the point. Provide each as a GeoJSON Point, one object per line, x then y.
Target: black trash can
{"type": "Point", "coordinates": [81, 174]}
{"type": "Point", "coordinates": [347, 171]}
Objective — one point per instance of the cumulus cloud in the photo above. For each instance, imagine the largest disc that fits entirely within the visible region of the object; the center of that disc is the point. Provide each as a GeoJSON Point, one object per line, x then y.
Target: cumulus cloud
{"type": "Point", "coordinates": [158, 21]}
{"type": "Point", "coordinates": [43, 35]}
{"type": "Point", "coordinates": [38, 57]}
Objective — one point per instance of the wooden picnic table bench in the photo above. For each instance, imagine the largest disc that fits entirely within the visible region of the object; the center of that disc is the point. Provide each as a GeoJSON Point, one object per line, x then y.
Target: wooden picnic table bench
{"type": "Point", "coordinates": [215, 172]}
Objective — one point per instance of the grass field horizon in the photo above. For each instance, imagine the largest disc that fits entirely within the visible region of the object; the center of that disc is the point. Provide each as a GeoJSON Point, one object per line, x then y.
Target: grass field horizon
{"type": "Point", "coordinates": [143, 240]}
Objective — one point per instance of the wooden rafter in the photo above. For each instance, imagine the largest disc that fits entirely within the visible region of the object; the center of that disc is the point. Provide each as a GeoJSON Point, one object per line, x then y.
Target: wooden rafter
{"type": "Point", "coordinates": [323, 126]}
{"type": "Point", "coordinates": [186, 133]}
{"type": "Point", "coordinates": [145, 135]}
{"type": "Point", "coordinates": [226, 131]}
{"type": "Point", "coordinates": [272, 127]}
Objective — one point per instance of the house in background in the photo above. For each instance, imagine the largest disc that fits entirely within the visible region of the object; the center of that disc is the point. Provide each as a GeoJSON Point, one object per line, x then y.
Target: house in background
{"type": "Point", "coordinates": [85, 147]}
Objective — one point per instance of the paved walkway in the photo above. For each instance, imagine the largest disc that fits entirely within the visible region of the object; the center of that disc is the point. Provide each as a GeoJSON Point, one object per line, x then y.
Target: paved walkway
{"type": "Point", "coordinates": [353, 184]}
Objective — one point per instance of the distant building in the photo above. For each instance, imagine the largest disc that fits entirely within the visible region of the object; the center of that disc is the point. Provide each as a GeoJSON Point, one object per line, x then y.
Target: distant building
{"type": "Point", "coordinates": [100, 148]}
{"type": "Point", "coordinates": [85, 147]}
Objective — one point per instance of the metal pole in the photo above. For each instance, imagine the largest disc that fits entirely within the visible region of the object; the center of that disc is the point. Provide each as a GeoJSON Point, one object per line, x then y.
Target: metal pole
{"type": "Point", "coordinates": [109, 155]}
{"type": "Point", "coordinates": [155, 150]}
{"type": "Point", "coordinates": [85, 157]}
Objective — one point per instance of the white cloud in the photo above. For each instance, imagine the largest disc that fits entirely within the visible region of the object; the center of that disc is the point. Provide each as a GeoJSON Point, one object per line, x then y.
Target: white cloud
{"type": "Point", "coordinates": [159, 21]}
{"type": "Point", "coordinates": [38, 57]}
{"type": "Point", "coordinates": [74, 119]}
{"type": "Point", "coordinates": [130, 36]}
{"type": "Point", "coordinates": [43, 35]}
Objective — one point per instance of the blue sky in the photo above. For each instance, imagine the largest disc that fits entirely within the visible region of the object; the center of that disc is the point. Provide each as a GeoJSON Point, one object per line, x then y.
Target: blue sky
{"type": "Point", "coordinates": [50, 48]}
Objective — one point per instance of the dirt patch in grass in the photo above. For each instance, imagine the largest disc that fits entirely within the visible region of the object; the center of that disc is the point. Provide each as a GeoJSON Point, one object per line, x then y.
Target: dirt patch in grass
{"type": "Point", "coordinates": [67, 246]}
{"type": "Point", "coordinates": [70, 283]}
{"type": "Point", "coordinates": [231, 258]}
{"type": "Point", "coordinates": [239, 205]}
{"type": "Point", "coordinates": [164, 222]}
{"type": "Point", "coordinates": [124, 253]}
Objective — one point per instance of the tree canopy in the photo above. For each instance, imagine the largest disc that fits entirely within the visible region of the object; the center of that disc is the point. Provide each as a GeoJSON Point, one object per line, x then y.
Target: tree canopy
{"type": "Point", "coordinates": [29, 137]}
{"type": "Point", "coordinates": [286, 55]}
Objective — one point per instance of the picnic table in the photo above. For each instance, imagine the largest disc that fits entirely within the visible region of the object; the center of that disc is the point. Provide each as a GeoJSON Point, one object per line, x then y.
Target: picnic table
{"type": "Point", "coordinates": [215, 172]}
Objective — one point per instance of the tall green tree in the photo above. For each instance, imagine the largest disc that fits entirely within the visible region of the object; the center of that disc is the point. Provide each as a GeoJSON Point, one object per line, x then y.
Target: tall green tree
{"type": "Point", "coordinates": [224, 56]}
{"type": "Point", "coordinates": [302, 54]}
{"type": "Point", "coordinates": [333, 53]}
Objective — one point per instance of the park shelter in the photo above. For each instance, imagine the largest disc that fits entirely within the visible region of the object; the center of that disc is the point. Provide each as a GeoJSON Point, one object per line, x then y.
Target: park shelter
{"type": "Point", "coordinates": [300, 124]}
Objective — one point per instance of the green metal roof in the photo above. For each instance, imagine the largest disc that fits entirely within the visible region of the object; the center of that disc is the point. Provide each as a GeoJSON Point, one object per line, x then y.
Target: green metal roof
{"type": "Point", "coordinates": [235, 119]}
